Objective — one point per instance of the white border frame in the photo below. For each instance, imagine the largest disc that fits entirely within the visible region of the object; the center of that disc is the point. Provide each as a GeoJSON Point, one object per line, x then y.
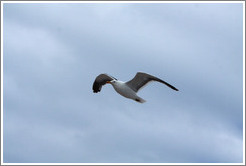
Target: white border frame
{"type": "Point", "coordinates": [4, 2]}
{"type": "Point", "coordinates": [123, 2]}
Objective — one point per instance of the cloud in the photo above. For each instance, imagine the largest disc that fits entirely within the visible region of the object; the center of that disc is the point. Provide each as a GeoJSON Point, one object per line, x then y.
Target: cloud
{"type": "Point", "coordinates": [53, 52]}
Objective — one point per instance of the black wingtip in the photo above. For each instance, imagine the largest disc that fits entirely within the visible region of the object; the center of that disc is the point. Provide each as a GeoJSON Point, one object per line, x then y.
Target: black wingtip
{"type": "Point", "coordinates": [172, 87]}
{"type": "Point", "coordinates": [96, 91]}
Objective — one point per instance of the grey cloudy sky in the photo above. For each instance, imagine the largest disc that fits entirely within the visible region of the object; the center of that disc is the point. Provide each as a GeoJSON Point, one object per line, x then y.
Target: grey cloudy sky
{"type": "Point", "coordinates": [53, 52]}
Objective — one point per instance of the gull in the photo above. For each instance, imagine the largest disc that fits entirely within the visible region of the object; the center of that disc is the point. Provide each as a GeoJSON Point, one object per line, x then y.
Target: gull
{"type": "Point", "coordinates": [127, 89]}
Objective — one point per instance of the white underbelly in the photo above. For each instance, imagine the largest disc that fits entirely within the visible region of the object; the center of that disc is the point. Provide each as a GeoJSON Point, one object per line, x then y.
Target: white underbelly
{"type": "Point", "coordinates": [125, 91]}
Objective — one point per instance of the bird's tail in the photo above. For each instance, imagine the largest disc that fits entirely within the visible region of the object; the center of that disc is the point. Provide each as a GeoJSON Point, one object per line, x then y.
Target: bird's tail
{"type": "Point", "coordinates": [140, 100]}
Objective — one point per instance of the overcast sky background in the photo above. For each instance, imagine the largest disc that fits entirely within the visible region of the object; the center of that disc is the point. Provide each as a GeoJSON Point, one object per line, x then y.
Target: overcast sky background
{"type": "Point", "coordinates": [53, 52]}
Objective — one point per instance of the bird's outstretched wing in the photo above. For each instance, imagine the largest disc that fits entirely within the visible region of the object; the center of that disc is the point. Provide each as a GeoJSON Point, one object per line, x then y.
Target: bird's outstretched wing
{"type": "Point", "coordinates": [141, 79]}
{"type": "Point", "coordinates": [100, 81]}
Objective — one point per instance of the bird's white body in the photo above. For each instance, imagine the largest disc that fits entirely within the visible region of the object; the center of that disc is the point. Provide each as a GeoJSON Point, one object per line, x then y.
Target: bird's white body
{"type": "Point", "coordinates": [126, 91]}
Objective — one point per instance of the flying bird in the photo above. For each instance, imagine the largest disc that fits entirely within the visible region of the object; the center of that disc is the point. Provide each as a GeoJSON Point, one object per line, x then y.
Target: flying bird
{"type": "Point", "coordinates": [127, 89]}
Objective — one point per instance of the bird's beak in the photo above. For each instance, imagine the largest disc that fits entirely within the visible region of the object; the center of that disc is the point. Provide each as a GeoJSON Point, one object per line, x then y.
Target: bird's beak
{"type": "Point", "coordinates": [108, 82]}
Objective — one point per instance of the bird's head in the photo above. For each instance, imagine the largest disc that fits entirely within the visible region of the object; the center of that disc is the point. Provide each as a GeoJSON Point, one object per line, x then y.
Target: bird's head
{"type": "Point", "coordinates": [111, 82]}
